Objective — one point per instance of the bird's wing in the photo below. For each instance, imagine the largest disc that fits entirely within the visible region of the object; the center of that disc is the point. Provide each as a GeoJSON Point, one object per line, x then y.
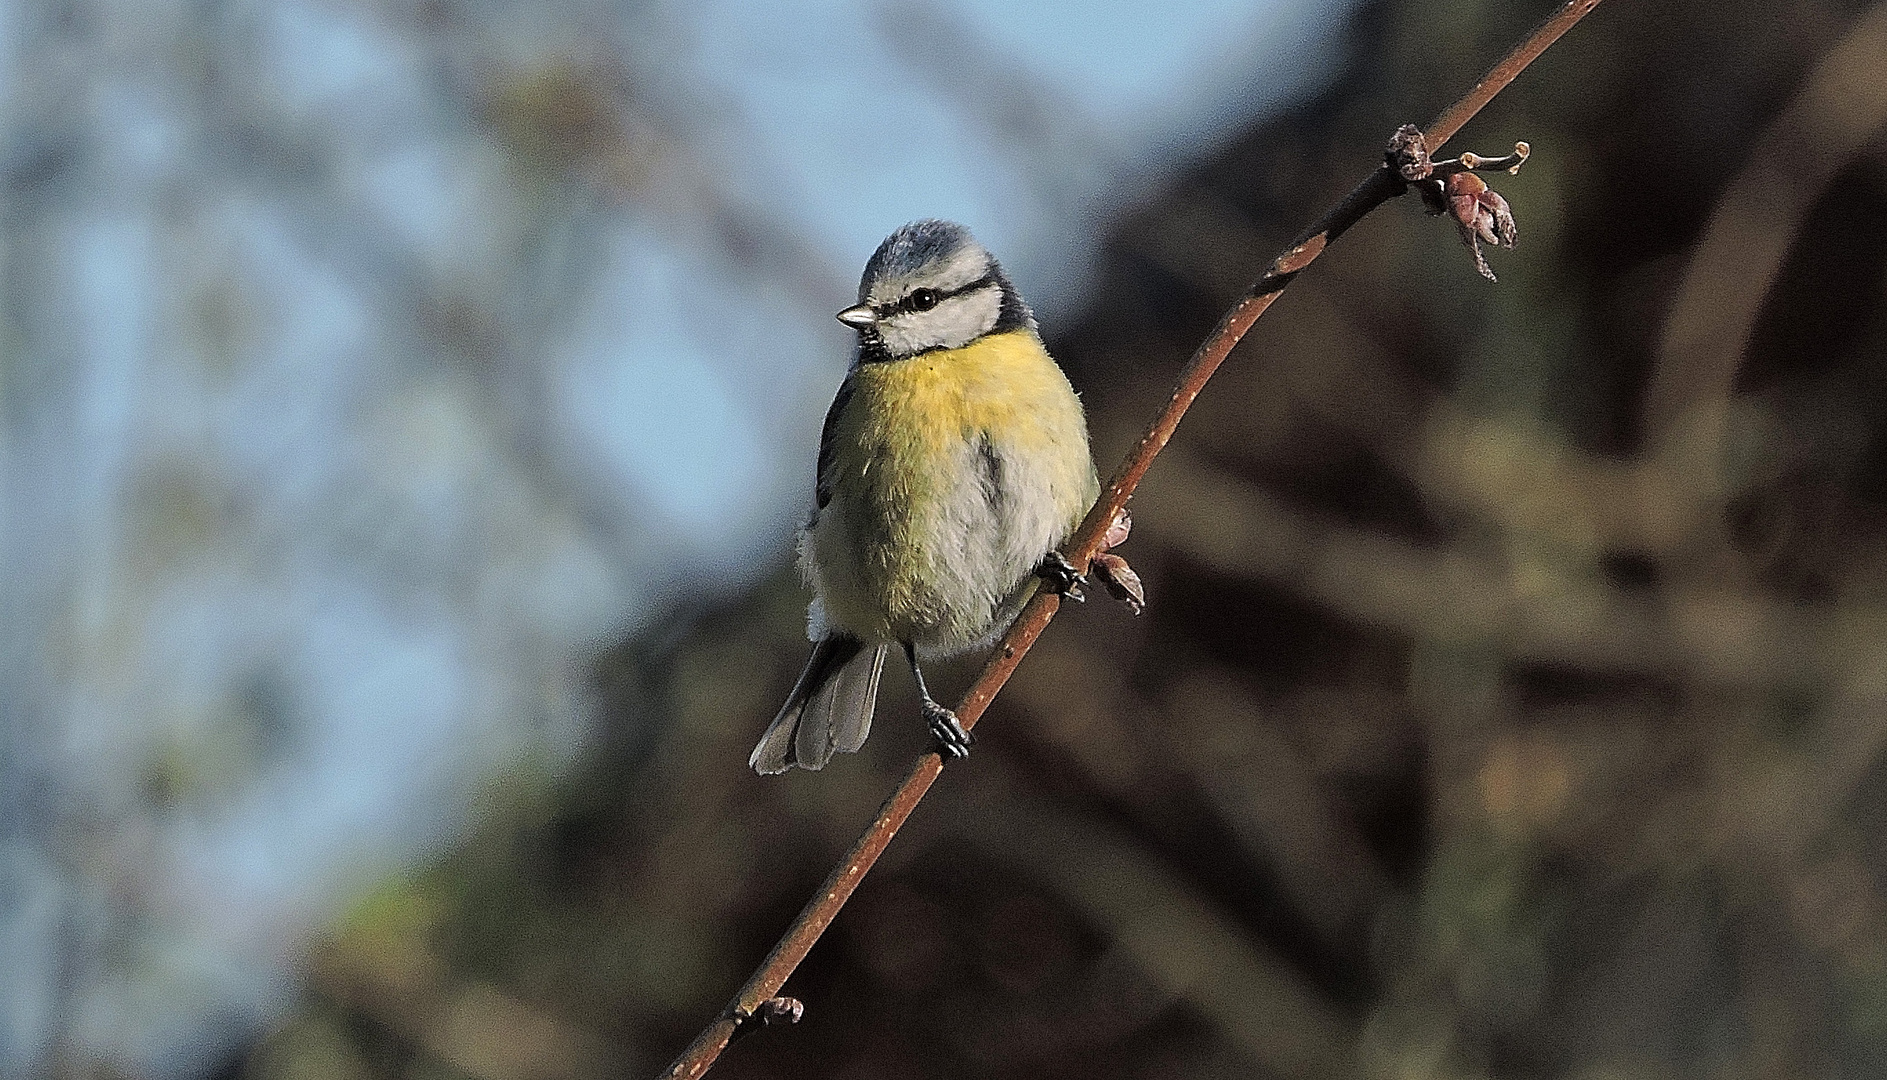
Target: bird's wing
{"type": "Point", "coordinates": [822, 487]}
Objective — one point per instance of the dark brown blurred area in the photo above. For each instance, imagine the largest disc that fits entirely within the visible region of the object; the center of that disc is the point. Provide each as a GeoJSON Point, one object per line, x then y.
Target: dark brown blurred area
{"type": "Point", "coordinates": [1511, 699]}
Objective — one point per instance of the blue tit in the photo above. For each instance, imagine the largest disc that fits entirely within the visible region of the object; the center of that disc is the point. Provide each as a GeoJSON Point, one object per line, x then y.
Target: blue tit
{"type": "Point", "coordinates": [953, 463]}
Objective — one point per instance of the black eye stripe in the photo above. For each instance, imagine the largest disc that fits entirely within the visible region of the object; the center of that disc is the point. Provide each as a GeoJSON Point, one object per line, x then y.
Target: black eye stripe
{"type": "Point", "coordinates": [941, 295]}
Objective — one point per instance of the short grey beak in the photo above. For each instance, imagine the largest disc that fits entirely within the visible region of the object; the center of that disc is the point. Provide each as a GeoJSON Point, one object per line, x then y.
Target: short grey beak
{"type": "Point", "coordinates": [858, 318]}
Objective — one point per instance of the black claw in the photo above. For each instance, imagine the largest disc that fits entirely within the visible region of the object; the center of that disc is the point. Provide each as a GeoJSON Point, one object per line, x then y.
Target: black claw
{"type": "Point", "coordinates": [1061, 576]}
{"type": "Point", "coordinates": [953, 739]}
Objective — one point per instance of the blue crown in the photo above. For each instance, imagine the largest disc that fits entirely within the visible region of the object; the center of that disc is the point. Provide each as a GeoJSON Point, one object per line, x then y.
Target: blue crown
{"type": "Point", "coordinates": [913, 247]}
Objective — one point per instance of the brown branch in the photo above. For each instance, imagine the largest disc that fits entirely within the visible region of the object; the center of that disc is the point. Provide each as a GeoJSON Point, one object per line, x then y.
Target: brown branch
{"type": "Point", "coordinates": [1456, 116]}
{"type": "Point", "coordinates": [1380, 186]}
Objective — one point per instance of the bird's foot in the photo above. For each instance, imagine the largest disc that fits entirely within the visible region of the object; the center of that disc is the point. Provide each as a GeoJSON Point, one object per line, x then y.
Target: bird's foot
{"type": "Point", "coordinates": [1061, 577]}
{"type": "Point", "coordinates": [953, 739]}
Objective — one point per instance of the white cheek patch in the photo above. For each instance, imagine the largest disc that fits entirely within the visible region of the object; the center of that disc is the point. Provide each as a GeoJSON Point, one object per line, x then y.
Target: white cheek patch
{"type": "Point", "coordinates": [950, 325]}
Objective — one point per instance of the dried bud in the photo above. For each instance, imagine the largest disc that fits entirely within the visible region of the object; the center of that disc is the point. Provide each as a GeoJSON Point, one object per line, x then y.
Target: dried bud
{"type": "Point", "coordinates": [1120, 580]}
{"type": "Point", "coordinates": [1481, 215]}
{"type": "Point", "coordinates": [1408, 154]}
{"type": "Point", "coordinates": [775, 1010]}
{"type": "Point", "coordinates": [1117, 530]}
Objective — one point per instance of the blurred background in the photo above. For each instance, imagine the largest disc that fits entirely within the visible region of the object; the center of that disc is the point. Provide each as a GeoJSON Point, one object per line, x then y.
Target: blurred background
{"type": "Point", "coordinates": [405, 411]}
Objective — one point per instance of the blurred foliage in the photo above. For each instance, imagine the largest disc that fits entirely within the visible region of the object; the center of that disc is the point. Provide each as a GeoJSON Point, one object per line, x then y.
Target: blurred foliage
{"type": "Point", "coordinates": [1509, 705]}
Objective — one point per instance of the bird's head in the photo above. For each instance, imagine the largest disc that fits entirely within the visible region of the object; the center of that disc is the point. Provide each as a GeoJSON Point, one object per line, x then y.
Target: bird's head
{"type": "Point", "coordinates": [930, 285]}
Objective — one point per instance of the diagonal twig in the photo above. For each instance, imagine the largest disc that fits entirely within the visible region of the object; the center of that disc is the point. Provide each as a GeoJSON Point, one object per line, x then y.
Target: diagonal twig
{"type": "Point", "coordinates": [1380, 186]}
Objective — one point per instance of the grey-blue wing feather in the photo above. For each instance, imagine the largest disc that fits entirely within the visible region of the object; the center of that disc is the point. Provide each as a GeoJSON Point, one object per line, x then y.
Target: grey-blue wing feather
{"type": "Point", "coordinates": [822, 488]}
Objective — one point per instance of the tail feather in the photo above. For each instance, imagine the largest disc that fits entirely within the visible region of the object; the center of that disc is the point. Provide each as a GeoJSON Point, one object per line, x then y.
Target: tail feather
{"type": "Point", "coordinates": [829, 710]}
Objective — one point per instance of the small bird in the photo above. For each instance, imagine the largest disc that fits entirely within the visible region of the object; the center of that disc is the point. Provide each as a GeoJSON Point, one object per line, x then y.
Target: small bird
{"type": "Point", "coordinates": [954, 461]}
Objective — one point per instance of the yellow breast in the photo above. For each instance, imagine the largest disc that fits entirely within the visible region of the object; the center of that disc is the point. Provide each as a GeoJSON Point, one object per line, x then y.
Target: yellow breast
{"type": "Point", "coordinates": [1003, 383]}
{"type": "Point", "coordinates": [952, 473]}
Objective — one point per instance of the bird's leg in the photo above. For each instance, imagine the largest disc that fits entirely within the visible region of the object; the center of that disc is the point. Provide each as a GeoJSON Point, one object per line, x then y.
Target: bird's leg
{"type": "Point", "coordinates": [953, 739]}
{"type": "Point", "coordinates": [1061, 576]}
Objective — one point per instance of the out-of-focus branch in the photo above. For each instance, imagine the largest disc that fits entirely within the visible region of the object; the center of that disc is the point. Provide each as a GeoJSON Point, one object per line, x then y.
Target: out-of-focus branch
{"type": "Point", "coordinates": [1183, 941]}
{"type": "Point", "coordinates": [1383, 184]}
{"type": "Point", "coordinates": [1232, 749]}
{"type": "Point", "coordinates": [477, 1028]}
{"type": "Point", "coordinates": [1454, 594]}
{"type": "Point", "coordinates": [1838, 113]}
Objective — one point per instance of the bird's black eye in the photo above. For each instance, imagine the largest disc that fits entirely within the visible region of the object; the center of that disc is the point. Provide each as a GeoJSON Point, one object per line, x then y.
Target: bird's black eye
{"type": "Point", "coordinates": [923, 299]}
